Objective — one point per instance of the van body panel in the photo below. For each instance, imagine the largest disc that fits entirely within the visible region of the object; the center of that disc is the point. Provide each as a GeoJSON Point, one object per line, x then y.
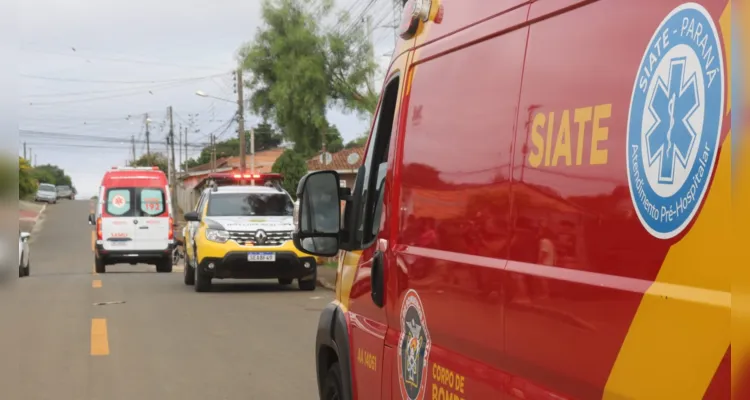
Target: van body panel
{"type": "Point", "coordinates": [514, 245]}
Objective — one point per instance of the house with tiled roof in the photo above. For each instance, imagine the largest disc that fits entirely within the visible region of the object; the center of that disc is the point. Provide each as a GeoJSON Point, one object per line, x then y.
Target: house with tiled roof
{"type": "Point", "coordinates": [346, 162]}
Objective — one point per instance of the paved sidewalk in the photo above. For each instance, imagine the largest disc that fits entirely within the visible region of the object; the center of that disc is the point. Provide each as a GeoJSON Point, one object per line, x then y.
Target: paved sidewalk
{"type": "Point", "coordinates": [29, 214]}
{"type": "Point", "coordinates": [327, 277]}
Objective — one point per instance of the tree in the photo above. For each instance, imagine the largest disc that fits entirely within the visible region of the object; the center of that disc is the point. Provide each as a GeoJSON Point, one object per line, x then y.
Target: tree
{"type": "Point", "coordinates": [151, 160]}
{"type": "Point", "coordinates": [358, 142]}
{"type": "Point", "coordinates": [266, 138]}
{"type": "Point", "coordinates": [334, 141]}
{"type": "Point", "coordinates": [293, 167]}
{"type": "Point", "coordinates": [298, 71]}
{"type": "Point", "coordinates": [51, 174]}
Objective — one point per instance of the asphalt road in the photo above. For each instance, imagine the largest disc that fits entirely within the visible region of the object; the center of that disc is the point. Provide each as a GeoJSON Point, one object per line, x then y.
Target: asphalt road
{"type": "Point", "coordinates": [246, 340]}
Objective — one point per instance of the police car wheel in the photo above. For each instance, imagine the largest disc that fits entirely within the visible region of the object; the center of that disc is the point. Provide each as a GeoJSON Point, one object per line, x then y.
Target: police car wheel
{"type": "Point", "coordinates": [188, 272]}
{"type": "Point", "coordinates": [333, 388]}
{"type": "Point", "coordinates": [202, 281]}
{"type": "Point", "coordinates": [307, 285]}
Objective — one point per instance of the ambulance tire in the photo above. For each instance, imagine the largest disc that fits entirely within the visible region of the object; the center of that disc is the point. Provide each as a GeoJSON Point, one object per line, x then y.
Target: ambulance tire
{"type": "Point", "coordinates": [333, 388]}
{"type": "Point", "coordinates": [165, 265]}
{"type": "Point", "coordinates": [99, 266]}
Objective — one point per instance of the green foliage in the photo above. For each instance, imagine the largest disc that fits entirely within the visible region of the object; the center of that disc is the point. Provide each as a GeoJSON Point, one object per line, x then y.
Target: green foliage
{"type": "Point", "coordinates": [30, 177]}
{"type": "Point", "coordinates": [298, 71]}
{"type": "Point", "coordinates": [151, 160]}
{"type": "Point", "coordinates": [51, 174]}
{"type": "Point", "coordinates": [334, 141]}
{"type": "Point", "coordinates": [293, 166]}
{"type": "Point", "coordinates": [358, 142]}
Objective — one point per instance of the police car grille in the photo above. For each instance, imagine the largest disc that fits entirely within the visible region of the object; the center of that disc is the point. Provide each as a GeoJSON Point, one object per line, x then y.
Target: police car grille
{"type": "Point", "coordinates": [272, 238]}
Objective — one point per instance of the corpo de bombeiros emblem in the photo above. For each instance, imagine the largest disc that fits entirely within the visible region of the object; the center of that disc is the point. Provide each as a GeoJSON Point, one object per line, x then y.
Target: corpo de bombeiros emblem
{"type": "Point", "coordinates": [413, 348]}
{"type": "Point", "coordinates": [675, 119]}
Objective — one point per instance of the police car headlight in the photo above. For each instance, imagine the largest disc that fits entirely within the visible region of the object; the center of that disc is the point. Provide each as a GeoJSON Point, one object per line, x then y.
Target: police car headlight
{"type": "Point", "coordinates": [217, 235]}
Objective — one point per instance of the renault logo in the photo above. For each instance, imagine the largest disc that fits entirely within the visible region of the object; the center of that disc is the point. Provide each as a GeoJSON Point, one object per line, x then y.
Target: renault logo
{"type": "Point", "coordinates": [260, 237]}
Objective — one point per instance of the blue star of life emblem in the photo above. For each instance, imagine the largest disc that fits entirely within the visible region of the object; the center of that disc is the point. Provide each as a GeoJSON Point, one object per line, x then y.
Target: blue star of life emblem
{"type": "Point", "coordinates": [675, 120]}
{"type": "Point", "coordinates": [671, 138]}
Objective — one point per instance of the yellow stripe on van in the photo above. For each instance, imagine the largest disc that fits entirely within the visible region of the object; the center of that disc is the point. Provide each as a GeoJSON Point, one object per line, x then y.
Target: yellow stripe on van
{"type": "Point", "coordinates": [674, 346]}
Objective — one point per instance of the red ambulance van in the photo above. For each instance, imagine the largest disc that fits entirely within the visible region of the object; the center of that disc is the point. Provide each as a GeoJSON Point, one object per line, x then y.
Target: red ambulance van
{"type": "Point", "coordinates": [134, 219]}
{"type": "Point", "coordinates": [543, 211]}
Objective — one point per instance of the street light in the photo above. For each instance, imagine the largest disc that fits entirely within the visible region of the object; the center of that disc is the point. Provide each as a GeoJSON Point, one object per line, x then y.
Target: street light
{"type": "Point", "coordinates": [241, 120]}
{"type": "Point", "coordinates": [204, 94]}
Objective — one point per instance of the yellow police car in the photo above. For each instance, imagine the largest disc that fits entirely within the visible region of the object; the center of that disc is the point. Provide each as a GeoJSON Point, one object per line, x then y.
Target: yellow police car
{"type": "Point", "coordinates": [244, 232]}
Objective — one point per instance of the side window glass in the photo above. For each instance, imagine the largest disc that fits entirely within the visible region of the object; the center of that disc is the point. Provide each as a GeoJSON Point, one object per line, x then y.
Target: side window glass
{"type": "Point", "coordinates": [377, 160]}
{"type": "Point", "coordinates": [152, 202]}
{"type": "Point", "coordinates": [118, 202]}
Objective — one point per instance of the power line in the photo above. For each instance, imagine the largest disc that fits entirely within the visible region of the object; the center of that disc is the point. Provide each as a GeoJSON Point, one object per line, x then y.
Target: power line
{"type": "Point", "coordinates": [49, 78]}
{"type": "Point", "coordinates": [134, 93]}
{"type": "Point", "coordinates": [119, 90]}
{"type": "Point", "coordinates": [122, 60]}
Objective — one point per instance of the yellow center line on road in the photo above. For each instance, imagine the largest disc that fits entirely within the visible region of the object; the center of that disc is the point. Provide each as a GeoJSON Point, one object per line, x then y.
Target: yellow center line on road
{"type": "Point", "coordinates": [96, 283]}
{"type": "Point", "coordinates": [99, 339]}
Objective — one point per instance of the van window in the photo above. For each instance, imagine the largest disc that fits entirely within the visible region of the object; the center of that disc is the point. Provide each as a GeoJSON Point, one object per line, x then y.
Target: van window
{"type": "Point", "coordinates": [152, 202]}
{"type": "Point", "coordinates": [118, 202]}
{"type": "Point", "coordinates": [377, 160]}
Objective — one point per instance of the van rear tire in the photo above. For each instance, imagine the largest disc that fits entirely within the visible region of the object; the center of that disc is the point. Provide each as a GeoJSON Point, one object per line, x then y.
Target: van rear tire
{"type": "Point", "coordinates": [99, 266]}
{"type": "Point", "coordinates": [165, 265]}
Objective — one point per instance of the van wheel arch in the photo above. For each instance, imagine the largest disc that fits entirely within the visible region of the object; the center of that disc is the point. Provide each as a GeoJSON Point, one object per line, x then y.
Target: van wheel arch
{"type": "Point", "coordinates": [333, 347]}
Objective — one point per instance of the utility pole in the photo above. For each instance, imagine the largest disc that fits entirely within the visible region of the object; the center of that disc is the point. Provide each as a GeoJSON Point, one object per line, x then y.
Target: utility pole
{"type": "Point", "coordinates": [186, 150]}
{"type": "Point", "coordinates": [179, 150]}
{"type": "Point", "coordinates": [148, 144]}
{"type": "Point", "coordinates": [132, 142]}
{"type": "Point", "coordinates": [24, 151]}
{"type": "Point", "coordinates": [173, 179]}
{"type": "Point", "coordinates": [241, 125]}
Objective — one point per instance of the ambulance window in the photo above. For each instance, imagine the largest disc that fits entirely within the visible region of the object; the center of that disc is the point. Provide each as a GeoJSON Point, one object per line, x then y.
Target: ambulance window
{"type": "Point", "coordinates": [377, 160]}
{"type": "Point", "coordinates": [118, 202]}
{"type": "Point", "coordinates": [152, 202]}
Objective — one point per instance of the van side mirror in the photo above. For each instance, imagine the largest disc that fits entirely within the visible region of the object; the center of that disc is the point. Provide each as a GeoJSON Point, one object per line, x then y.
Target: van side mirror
{"type": "Point", "coordinates": [192, 216]}
{"type": "Point", "coordinates": [318, 219]}
{"type": "Point", "coordinates": [91, 219]}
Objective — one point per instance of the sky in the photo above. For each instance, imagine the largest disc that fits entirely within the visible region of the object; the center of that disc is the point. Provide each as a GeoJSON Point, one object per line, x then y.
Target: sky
{"type": "Point", "coordinates": [94, 68]}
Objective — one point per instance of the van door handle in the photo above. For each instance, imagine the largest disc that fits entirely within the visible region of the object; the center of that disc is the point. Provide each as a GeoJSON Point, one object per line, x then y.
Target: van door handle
{"type": "Point", "coordinates": [377, 277]}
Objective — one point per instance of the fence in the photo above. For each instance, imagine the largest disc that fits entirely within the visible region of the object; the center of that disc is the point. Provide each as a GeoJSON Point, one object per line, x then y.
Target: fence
{"type": "Point", "coordinates": [186, 198]}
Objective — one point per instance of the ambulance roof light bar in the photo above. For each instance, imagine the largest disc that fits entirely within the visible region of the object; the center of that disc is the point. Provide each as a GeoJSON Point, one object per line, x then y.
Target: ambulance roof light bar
{"type": "Point", "coordinates": [153, 168]}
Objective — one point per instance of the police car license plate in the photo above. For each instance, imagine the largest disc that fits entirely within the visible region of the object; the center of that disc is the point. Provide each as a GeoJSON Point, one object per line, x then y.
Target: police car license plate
{"type": "Point", "coordinates": [261, 257]}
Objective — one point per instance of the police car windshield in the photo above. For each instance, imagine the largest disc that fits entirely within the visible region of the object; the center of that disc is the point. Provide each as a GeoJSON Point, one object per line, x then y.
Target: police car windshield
{"type": "Point", "coordinates": [249, 204]}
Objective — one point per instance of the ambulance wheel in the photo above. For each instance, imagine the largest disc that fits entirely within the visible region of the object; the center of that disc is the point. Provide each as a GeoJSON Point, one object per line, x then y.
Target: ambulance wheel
{"type": "Point", "coordinates": [333, 389]}
{"type": "Point", "coordinates": [284, 281]}
{"type": "Point", "coordinates": [164, 265]}
{"type": "Point", "coordinates": [99, 266]}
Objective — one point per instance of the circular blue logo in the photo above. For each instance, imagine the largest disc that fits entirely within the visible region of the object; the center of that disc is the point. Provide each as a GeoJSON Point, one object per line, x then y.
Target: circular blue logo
{"type": "Point", "coordinates": [675, 118]}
